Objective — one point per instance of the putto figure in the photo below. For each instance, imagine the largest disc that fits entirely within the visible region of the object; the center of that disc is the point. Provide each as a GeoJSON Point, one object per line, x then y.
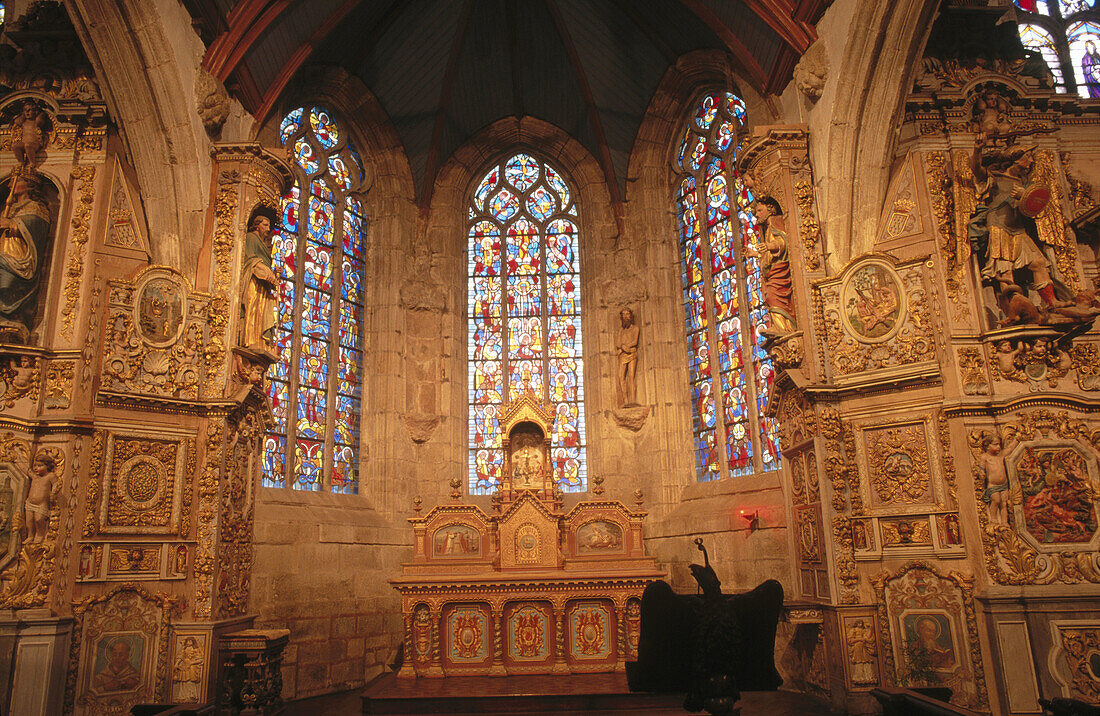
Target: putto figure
{"type": "Point", "coordinates": [30, 134]}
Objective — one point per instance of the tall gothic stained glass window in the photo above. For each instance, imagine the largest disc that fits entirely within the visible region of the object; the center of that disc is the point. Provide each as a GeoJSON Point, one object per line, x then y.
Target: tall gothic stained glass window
{"type": "Point", "coordinates": [1066, 33]}
{"type": "Point", "coordinates": [724, 312]}
{"type": "Point", "coordinates": [315, 386]}
{"type": "Point", "coordinates": [524, 313]}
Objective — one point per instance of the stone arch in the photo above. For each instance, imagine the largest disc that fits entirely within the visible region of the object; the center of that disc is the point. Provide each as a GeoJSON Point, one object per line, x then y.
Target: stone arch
{"type": "Point", "coordinates": [146, 70]}
{"type": "Point", "coordinates": [853, 145]}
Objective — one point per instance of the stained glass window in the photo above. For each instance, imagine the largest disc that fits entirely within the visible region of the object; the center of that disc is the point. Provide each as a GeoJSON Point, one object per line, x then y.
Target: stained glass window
{"type": "Point", "coordinates": [315, 386]}
{"type": "Point", "coordinates": [724, 313]}
{"type": "Point", "coordinates": [1067, 35]}
{"type": "Point", "coordinates": [524, 313]}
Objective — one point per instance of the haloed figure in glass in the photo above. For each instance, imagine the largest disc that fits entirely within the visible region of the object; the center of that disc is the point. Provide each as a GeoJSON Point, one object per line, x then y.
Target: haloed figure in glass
{"type": "Point", "coordinates": [1090, 68]}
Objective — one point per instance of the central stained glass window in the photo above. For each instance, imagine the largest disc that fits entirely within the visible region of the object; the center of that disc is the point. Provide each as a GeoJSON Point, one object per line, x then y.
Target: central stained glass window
{"type": "Point", "coordinates": [730, 373]}
{"type": "Point", "coordinates": [1066, 33]}
{"type": "Point", "coordinates": [315, 386]}
{"type": "Point", "coordinates": [524, 313]}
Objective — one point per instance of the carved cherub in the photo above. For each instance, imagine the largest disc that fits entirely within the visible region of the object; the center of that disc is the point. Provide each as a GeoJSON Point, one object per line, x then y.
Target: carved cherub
{"type": "Point", "coordinates": [1005, 356]}
{"type": "Point", "coordinates": [22, 371]}
{"type": "Point", "coordinates": [30, 133]}
{"type": "Point", "coordinates": [37, 506]}
{"type": "Point", "coordinates": [990, 463]}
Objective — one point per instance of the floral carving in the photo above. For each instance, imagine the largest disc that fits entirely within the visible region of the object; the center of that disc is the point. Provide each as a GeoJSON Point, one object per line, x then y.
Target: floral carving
{"type": "Point", "coordinates": [954, 248]}
{"type": "Point", "coordinates": [808, 228]}
{"type": "Point", "coordinates": [1080, 646]}
{"type": "Point", "coordinates": [898, 460]}
{"type": "Point", "coordinates": [78, 242]}
{"type": "Point", "coordinates": [972, 373]}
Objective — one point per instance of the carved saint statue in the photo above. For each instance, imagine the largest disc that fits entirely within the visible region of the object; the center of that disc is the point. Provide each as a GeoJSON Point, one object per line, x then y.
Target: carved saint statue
{"type": "Point", "coordinates": [24, 230]}
{"type": "Point", "coordinates": [775, 262]}
{"type": "Point", "coordinates": [258, 286]}
{"type": "Point", "coordinates": [626, 344]}
{"type": "Point", "coordinates": [861, 652]}
{"type": "Point", "coordinates": [37, 504]}
{"type": "Point", "coordinates": [1002, 229]}
{"type": "Point", "coordinates": [30, 133]}
{"type": "Point", "coordinates": [187, 671]}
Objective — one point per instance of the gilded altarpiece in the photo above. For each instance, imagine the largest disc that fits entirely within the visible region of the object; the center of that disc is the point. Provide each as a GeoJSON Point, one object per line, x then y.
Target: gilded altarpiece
{"type": "Point", "coordinates": [529, 588]}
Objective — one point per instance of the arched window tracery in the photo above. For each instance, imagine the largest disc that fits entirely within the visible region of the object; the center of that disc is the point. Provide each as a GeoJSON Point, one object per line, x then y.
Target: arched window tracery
{"type": "Point", "coordinates": [729, 371]}
{"type": "Point", "coordinates": [315, 386]}
{"type": "Point", "coordinates": [1067, 35]}
{"type": "Point", "coordinates": [524, 314]}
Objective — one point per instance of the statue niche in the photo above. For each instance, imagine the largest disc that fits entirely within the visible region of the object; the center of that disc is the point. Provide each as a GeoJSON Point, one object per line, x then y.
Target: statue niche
{"type": "Point", "coordinates": [527, 457]}
{"type": "Point", "coordinates": [29, 202]}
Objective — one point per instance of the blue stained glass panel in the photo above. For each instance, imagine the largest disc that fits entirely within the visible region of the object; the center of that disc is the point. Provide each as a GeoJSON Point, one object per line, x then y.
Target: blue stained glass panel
{"type": "Point", "coordinates": [316, 314]}
{"type": "Point", "coordinates": [311, 413]}
{"type": "Point", "coordinates": [486, 340]}
{"type": "Point", "coordinates": [561, 250]}
{"type": "Point", "coordinates": [351, 288]}
{"type": "Point", "coordinates": [696, 307]}
{"type": "Point", "coordinates": [290, 213]}
{"type": "Point", "coordinates": [725, 136]}
{"type": "Point", "coordinates": [313, 363]}
{"type": "Point", "coordinates": [485, 426]}
{"type": "Point", "coordinates": [276, 392]}
{"type": "Point", "coordinates": [704, 404]}
{"type": "Point", "coordinates": [729, 344]}
{"type": "Point", "coordinates": [345, 470]}
{"type": "Point", "coordinates": [290, 125]}
{"type": "Point", "coordinates": [350, 371]}
{"type": "Point", "coordinates": [735, 107]}
{"type": "Point", "coordinates": [486, 381]}
{"type": "Point", "coordinates": [309, 463]}
{"type": "Point", "coordinates": [318, 267]}
{"type": "Point", "coordinates": [563, 380]}
{"type": "Point", "coordinates": [706, 456]}
{"type": "Point", "coordinates": [558, 185]}
{"type": "Point", "coordinates": [323, 127]}
{"type": "Point", "coordinates": [540, 204]}
{"type": "Point", "coordinates": [522, 171]}
{"type": "Point", "coordinates": [485, 187]}
{"type": "Point", "coordinates": [725, 294]}
{"type": "Point", "coordinates": [320, 220]}
{"type": "Point", "coordinates": [347, 419]}
{"type": "Point", "coordinates": [485, 252]}
{"type": "Point", "coordinates": [274, 461]}
{"type": "Point", "coordinates": [304, 155]}
{"type": "Point", "coordinates": [562, 295]}
{"type": "Point", "coordinates": [485, 470]}
{"type": "Point", "coordinates": [339, 172]}
{"type": "Point", "coordinates": [698, 357]}
{"type": "Point", "coordinates": [525, 338]}
{"type": "Point", "coordinates": [504, 205]}
{"type": "Point", "coordinates": [708, 110]}
{"type": "Point", "coordinates": [563, 336]}
{"type": "Point", "coordinates": [698, 152]}
{"type": "Point", "coordinates": [525, 378]}
{"type": "Point", "coordinates": [485, 297]}
{"type": "Point", "coordinates": [280, 369]}
{"type": "Point", "coordinates": [523, 296]}
{"type": "Point", "coordinates": [284, 306]}
{"type": "Point", "coordinates": [523, 248]}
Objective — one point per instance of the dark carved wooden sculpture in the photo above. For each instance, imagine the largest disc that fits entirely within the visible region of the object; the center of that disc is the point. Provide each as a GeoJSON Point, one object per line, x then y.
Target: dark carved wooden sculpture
{"type": "Point", "coordinates": [710, 646]}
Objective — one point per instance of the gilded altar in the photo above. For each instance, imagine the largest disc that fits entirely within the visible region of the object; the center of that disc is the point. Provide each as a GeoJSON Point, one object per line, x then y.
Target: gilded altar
{"type": "Point", "coordinates": [529, 588]}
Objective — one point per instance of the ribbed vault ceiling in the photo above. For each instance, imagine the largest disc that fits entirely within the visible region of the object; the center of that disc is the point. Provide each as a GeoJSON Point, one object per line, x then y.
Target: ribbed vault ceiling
{"type": "Point", "coordinates": [444, 69]}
